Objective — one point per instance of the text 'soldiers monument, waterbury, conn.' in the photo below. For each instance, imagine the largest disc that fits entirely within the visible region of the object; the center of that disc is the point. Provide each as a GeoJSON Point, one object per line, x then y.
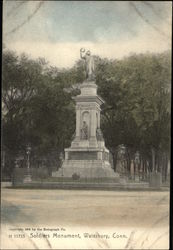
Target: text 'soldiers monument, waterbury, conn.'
{"type": "Point", "coordinates": [87, 157]}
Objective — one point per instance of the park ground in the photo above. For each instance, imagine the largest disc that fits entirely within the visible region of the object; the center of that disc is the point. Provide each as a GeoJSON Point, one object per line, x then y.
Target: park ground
{"type": "Point", "coordinates": [119, 219]}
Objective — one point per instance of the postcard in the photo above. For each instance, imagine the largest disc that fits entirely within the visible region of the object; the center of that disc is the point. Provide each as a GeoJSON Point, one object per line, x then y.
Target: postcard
{"type": "Point", "coordinates": [86, 118]}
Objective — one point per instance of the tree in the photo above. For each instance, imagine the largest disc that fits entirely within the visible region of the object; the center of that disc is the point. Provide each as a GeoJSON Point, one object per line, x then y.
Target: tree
{"type": "Point", "coordinates": [36, 108]}
{"type": "Point", "coordinates": [137, 109]}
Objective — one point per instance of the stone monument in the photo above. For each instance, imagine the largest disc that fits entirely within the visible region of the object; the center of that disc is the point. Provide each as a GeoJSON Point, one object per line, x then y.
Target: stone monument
{"type": "Point", "coordinates": [87, 157]}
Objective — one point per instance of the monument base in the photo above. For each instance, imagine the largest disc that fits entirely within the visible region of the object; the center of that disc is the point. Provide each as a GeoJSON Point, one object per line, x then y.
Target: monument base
{"type": "Point", "coordinates": [27, 178]}
{"type": "Point", "coordinates": [86, 163]}
{"type": "Point", "coordinates": [87, 158]}
{"type": "Point", "coordinates": [86, 169]}
{"type": "Point", "coordinates": [155, 180]}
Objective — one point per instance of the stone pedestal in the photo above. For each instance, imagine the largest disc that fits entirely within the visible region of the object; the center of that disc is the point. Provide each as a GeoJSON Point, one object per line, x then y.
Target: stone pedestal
{"type": "Point", "coordinates": [27, 177]}
{"type": "Point", "coordinates": [155, 180]}
{"type": "Point", "coordinates": [87, 157]}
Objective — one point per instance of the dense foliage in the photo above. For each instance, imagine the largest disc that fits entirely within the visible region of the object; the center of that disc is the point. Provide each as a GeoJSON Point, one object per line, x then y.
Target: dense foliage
{"type": "Point", "coordinates": [38, 107]}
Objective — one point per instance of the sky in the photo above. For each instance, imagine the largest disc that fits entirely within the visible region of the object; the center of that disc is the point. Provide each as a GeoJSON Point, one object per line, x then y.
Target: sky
{"type": "Point", "coordinates": [56, 30]}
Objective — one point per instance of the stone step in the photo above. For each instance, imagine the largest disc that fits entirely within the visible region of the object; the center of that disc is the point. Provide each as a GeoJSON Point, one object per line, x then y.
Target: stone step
{"type": "Point", "coordinates": [85, 186]}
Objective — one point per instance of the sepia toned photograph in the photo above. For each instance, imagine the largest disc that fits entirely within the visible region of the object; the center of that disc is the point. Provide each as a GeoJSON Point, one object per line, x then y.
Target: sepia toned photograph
{"type": "Point", "coordinates": [86, 124]}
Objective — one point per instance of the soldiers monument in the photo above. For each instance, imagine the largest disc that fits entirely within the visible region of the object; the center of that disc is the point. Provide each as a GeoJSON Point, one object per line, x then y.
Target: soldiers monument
{"type": "Point", "coordinates": [87, 157]}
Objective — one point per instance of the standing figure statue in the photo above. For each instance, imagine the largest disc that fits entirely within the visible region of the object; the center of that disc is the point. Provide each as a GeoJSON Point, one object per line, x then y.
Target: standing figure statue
{"type": "Point", "coordinates": [99, 134]}
{"type": "Point", "coordinates": [89, 64]}
{"type": "Point", "coordinates": [84, 131]}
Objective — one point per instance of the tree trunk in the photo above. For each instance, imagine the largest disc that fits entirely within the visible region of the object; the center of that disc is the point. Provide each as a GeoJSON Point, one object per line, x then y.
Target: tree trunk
{"type": "Point", "coordinates": [128, 163]}
{"type": "Point", "coordinates": [143, 168]}
{"type": "Point", "coordinates": [153, 160]}
{"type": "Point", "coordinates": [139, 167]}
{"type": "Point", "coordinates": [166, 167]}
{"type": "Point", "coordinates": [150, 164]}
{"type": "Point", "coordinates": [114, 158]}
{"type": "Point", "coordinates": [134, 170]}
{"type": "Point", "coordinates": [158, 161]}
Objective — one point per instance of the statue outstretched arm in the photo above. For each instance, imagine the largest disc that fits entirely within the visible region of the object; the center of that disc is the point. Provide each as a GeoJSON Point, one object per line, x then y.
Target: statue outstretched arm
{"type": "Point", "coordinates": [82, 50]}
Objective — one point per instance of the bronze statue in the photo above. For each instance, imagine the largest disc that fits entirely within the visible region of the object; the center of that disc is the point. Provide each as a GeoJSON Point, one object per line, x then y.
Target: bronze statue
{"type": "Point", "coordinates": [99, 134]}
{"type": "Point", "coordinates": [89, 64]}
{"type": "Point", "coordinates": [84, 131]}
